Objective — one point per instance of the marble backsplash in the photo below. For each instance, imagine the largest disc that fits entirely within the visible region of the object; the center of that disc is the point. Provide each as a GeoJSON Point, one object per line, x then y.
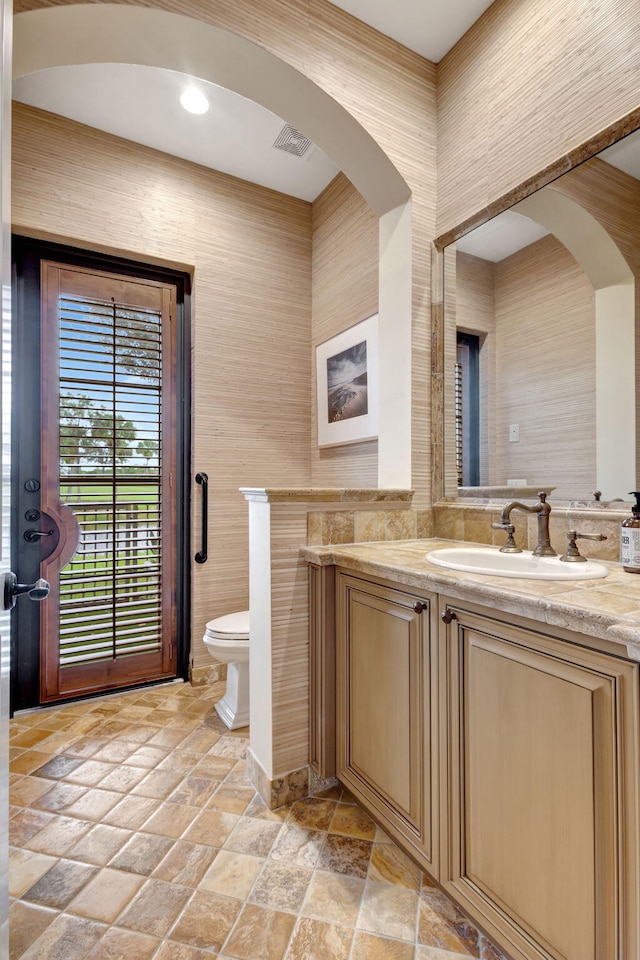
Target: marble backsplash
{"type": "Point", "coordinates": [366, 525]}
{"type": "Point", "coordinates": [471, 522]}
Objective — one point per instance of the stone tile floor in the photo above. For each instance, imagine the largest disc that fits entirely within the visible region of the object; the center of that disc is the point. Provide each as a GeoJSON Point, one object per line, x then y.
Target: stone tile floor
{"type": "Point", "coordinates": [135, 834]}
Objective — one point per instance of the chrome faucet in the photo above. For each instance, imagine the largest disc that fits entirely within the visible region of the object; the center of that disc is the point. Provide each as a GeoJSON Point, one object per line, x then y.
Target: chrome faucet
{"type": "Point", "coordinates": [542, 508]}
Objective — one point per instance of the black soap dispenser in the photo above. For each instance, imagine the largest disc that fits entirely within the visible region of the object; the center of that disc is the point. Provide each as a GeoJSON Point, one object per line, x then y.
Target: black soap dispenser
{"type": "Point", "coordinates": [630, 538]}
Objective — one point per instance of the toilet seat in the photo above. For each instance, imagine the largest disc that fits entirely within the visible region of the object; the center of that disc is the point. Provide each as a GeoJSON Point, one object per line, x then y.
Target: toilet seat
{"type": "Point", "coordinates": [232, 626]}
{"type": "Point", "coordinates": [227, 640]}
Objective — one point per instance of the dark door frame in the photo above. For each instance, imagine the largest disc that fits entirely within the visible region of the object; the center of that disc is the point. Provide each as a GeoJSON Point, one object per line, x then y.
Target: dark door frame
{"type": "Point", "coordinates": [468, 346]}
{"type": "Point", "coordinates": [27, 255]}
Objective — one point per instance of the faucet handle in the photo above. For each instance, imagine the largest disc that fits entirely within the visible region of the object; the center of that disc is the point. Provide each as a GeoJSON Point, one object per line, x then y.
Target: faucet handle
{"type": "Point", "coordinates": [573, 554]}
{"type": "Point", "coordinates": [510, 546]}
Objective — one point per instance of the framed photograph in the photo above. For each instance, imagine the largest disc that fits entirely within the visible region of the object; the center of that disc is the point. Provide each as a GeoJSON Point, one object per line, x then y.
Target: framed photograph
{"type": "Point", "coordinates": [347, 383]}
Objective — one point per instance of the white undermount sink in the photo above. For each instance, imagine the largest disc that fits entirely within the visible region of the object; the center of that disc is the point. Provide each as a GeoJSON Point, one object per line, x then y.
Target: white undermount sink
{"type": "Point", "coordinates": [489, 561]}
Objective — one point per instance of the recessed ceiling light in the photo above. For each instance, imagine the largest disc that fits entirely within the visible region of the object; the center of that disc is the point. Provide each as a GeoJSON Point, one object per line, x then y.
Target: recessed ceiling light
{"type": "Point", "coordinates": [194, 101]}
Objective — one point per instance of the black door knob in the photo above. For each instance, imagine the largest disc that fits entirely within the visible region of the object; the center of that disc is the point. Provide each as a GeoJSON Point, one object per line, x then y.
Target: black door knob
{"type": "Point", "coordinates": [448, 616]}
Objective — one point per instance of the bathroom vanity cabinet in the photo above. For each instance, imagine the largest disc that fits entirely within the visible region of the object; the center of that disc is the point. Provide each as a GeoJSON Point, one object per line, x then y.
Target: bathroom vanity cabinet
{"type": "Point", "coordinates": [540, 759]}
{"type": "Point", "coordinates": [386, 717]}
{"type": "Point", "coordinates": [502, 754]}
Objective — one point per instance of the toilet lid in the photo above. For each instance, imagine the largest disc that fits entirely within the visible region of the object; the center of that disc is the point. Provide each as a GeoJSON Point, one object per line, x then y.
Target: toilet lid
{"type": "Point", "coordinates": [232, 625]}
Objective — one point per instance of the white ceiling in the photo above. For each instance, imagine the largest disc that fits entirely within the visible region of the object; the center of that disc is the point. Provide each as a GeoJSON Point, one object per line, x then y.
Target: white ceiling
{"type": "Point", "coordinates": [625, 155]}
{"type": "Point", "coordinates": [430, 27]}
{"type": "Point", "coordinates": [142, 104]}
{"type": "Point", "coordinates": [236, 135]}
{"type": "Point", "coordinates": [500, 237]}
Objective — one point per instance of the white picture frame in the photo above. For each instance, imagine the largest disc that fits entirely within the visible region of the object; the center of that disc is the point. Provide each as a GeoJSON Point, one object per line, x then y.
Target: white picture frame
{"type": "Point", "coordinates": [347, 385]}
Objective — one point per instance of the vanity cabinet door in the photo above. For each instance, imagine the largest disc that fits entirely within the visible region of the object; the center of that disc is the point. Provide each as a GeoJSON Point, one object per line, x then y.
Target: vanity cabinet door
{"type": "Point", "coordinates": [542, 783]}
{"type": "Point", "coordinates": [386, 730]}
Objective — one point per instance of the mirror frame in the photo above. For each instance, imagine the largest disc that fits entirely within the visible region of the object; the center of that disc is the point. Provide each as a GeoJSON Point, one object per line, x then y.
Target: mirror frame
{"type": "Point", "coordinates": [585, 151]}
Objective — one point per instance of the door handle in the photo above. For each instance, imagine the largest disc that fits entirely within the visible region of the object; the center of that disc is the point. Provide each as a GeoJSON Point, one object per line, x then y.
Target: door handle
{"type": "Point", "coordinates": [12, 590]}
{"type": "Point", "coordinates": [32, 536]}
{"type": "Point", "coordinates": [203, 480]}
{"type": "Point", "coordinates": [48, 536]}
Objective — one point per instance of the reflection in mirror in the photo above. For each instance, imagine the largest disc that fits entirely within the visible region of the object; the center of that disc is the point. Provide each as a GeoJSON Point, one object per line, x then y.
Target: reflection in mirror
{"type": "Point", "coordinates": [549, 292]}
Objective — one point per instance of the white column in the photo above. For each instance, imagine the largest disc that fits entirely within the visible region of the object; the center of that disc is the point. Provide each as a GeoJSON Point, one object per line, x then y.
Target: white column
{"type": "Point", "coordinates": [615, 391]}
{"type": "Point", "coordinates": [260, 658]}
{"type": "Point", "coordinates": [394, 350]}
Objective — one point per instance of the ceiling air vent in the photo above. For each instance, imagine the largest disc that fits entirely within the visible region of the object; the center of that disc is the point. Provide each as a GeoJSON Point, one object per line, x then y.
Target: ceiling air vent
{"type": "Point", "coordinates": [292, 141]}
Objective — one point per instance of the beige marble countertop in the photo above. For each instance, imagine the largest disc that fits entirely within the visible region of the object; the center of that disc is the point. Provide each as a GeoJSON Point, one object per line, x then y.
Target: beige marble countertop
{"type": "Point", "coordinates": [326, 494]}
{"type": "Point", "coordinates": [608, 608]}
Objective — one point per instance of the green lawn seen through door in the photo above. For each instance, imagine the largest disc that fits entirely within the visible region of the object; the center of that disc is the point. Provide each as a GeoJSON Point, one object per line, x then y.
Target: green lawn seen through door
{"type": "Point", "coordinates": [110, 591]}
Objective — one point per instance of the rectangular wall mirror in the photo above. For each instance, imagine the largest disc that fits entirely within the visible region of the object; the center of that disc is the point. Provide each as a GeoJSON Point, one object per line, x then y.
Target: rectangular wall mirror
{"type": "Point", "coordinates": [541, 349]}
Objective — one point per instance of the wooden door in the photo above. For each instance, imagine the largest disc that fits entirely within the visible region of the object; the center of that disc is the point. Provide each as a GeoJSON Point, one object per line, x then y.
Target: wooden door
{"type": "Point", "coordinates": [542, 791]}
{"type": "Point", "coordinates": [108, 463]}
{"type": "Point", "coordinates": [386, 699]}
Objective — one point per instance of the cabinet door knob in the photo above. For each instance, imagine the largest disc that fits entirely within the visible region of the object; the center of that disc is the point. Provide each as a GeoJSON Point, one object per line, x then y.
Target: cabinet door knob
{"type": "Point", "coordinates": [419, 606]}
{"type": "Point", "coordinates": [448, 616]}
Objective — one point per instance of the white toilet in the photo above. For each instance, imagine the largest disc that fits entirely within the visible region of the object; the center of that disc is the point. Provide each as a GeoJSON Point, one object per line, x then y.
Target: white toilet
{"type": "Point", "coordinates": [227, 639]}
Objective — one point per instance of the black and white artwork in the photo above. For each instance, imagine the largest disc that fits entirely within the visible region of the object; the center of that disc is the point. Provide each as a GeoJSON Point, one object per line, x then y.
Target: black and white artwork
{"type": "Point", "coordinates": [347, 368]}
{"type": "Point", "coordinates": [347, 383]}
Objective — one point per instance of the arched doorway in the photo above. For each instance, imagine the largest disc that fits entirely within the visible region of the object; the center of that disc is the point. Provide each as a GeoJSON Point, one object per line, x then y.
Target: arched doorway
{"type": "Point", "coordinates": [99, 33]}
